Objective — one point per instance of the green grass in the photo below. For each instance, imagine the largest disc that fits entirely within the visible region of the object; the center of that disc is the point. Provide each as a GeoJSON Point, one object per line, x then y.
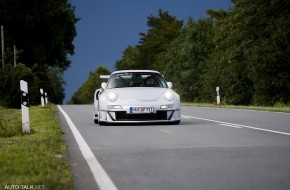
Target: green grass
{"type": "Point", "coordinates": [10, 120]}
{"type": "Point", "coordinates": [38, 158]}
{"type": "Point", "coordinates": [276, 108]}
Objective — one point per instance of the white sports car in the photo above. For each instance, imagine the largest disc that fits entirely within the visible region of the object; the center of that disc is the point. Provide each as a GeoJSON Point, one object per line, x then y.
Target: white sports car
{"type": "Point", "coordinates": [136, 96]}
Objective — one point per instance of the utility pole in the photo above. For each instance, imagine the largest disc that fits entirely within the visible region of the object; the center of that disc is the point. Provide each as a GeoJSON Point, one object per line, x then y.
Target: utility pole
{"type": "Point", "coordinates": [2, 45]}
{"type": "Point", "coordinates": [14, 53]}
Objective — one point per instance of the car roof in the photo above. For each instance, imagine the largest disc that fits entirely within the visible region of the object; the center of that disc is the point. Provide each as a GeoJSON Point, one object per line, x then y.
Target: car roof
{"type": "Point", "coordinates": [128, 71]}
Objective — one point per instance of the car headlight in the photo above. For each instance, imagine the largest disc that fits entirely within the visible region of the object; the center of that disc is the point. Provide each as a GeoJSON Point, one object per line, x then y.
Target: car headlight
{"type": "Point", "coordinates": [112, 96]}
{"type": "Point", "coordinates": [168, 95]}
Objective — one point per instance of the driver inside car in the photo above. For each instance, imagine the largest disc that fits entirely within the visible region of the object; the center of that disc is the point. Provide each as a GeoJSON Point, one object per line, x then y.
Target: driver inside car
{"type": "Point", "coordinates": [150, 81]}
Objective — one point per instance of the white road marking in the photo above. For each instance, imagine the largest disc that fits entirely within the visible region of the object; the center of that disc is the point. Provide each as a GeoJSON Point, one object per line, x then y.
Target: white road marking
{"type": "Point", "coordinates": [166, 131]}
{"type": "Point", "coordinates": [219, 122]}
{"type": "Point", "coordinates": [101, 177]}
{"type": "Point", "coordinates": [186, 117]}
{"type": "Point", "coordinates": [244, 126]}
{"type": "Point", "coordinates": [234, 126]}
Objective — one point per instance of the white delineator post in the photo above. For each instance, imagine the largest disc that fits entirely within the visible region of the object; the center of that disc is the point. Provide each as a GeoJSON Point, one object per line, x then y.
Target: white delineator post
{"type": "Point", "coordinates": [42, 97]}
{"type": "Point", "coordinates": [46, 100]}
{"type": "Point", "coordinates": [24, 107]}
{"type": "Point", "coordinates": [218, 98]}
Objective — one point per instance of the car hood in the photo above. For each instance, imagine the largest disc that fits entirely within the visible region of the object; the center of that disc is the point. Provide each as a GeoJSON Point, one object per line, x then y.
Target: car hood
{"type": "Point", "coordinates": [140, 93]}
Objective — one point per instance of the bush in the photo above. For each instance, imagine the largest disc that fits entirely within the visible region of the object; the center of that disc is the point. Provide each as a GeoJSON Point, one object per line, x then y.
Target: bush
{"type": "Point", "coordinates": [10, 84]}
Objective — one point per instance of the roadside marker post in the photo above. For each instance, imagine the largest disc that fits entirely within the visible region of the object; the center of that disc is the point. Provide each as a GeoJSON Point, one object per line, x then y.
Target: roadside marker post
{"type": "Point", "coordinates": [46, 100]}
{"type": "Point", "coordinates": [218, 98]}
{"type": "Point", "coordinates": [24, 107]}
{"type": "Point", "coordinates": [42, 97]}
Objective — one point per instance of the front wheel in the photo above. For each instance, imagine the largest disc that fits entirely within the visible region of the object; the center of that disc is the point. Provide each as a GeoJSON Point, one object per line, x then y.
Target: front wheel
{"type": "Point", "coordinates": [176, 122]}
{"type": "Point", "coordinates": [101, 123]}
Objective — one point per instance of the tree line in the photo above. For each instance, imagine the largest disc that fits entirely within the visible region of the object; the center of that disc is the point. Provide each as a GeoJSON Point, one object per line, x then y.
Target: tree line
{"type": "Point", "coordinates": [244, 50]}
{"type": "Point", "coordinates": [42, 32]}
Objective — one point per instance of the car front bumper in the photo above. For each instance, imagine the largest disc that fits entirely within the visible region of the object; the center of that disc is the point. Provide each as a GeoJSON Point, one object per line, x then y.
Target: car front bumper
{"type": "Point", "coordinates": [163, 112]}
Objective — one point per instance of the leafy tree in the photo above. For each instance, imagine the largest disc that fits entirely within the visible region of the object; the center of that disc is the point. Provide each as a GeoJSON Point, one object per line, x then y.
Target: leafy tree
{"type": "Point", "coordinates": [184, 59]}
{"type": "Point", "coordinates": [43, 31]}
{"type": "Point", "coordinates": [85, 94]}
{"type": "Point", "coordinates": [129, 59]}
{"type": "Point", "coordinates": [226, 66]}
{"type": "Point", "coordinates": [266, 24]}
{"type": "Point", "coordinates": [251, 58]}
{"type": "Point", "coordinates": [163, 29]}
{"type": "Point", "coordinates": [10, 85]}
{"type": "Point", "coordinates": [54, 85]}
{"type": "Point", "coordinates": [244, 50]}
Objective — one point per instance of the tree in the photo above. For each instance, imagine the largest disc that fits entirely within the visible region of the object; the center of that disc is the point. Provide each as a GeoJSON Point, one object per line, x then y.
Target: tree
{"type": "Point", "coordinates": [10, 85]}
{"type": "Point", "coordinates": [251, 58]}
{"type": "Point", "coordinates": [54, 85]}
{"type": "Point", "coordinates": [43, 31]}
{"type": "Point", "coordinates": [226, 66]}
{"type": "Point", "coordinates": [184, 59]}
{"type": "Point", "coordinates": [266, 24]}
{"type": "Point", "coordinates": [85, 94]}
{"type": "Point", "coordinates": [129, 59]}
{"type": "Point", "coordinates": [163, 29]}
{"type": "Point", "coordinates": [244, 50]}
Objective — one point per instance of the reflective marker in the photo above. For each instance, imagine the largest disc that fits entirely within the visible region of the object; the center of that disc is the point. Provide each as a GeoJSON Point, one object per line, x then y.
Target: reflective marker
{"type": "Point", "coordinates": [24, 107]}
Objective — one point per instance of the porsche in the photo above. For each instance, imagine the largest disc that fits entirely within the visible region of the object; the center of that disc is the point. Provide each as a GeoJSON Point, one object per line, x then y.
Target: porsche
{"type": "Point", "coordinates": [136, 96]}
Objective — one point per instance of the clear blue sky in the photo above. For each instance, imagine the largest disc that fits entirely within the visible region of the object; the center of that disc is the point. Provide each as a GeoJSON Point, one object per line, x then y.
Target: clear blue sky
{"type": "Point", "coordinates": [107, 27]}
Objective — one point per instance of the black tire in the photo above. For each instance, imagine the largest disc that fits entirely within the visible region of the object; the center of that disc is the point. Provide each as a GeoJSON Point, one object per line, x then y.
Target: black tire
{"type": "Point", "coordinates": [101, 123]}
{"type": "Point", "coordinates": [176, 122]}
{"type": "Point", "coordinates": [96, 121]}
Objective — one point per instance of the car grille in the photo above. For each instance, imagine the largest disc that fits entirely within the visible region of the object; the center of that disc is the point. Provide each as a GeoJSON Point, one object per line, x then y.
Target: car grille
{"type": "Point", "coordinates": [123, 116]}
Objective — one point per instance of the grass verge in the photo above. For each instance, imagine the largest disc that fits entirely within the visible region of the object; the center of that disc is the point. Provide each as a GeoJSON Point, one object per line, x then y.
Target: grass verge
{"type": "Point", "coordinates": [38, 159]}
{"type": "Point", "coordinates": [275, 108]}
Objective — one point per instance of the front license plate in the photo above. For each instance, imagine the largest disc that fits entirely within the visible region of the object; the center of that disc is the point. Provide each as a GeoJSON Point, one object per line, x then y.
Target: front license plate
{"type": "Point", "coordinates": [141, 110]}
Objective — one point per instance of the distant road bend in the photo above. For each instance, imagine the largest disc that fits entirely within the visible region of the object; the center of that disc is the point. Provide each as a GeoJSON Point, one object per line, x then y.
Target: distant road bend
{"type": "Point", "coordinates": [212, 148]}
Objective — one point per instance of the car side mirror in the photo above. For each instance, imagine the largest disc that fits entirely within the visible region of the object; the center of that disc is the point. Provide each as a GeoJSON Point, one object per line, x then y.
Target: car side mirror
{"type": "Point", "coordinates": [97, 94]}
{"type": "Point", "coordinates": [169, 84]}
{"type": "Point", "coordinates": [104, 85]}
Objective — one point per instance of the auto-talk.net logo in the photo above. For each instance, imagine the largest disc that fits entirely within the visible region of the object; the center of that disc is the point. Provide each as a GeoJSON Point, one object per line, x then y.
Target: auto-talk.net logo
{"type": "Point", "coordinates": [30, 187]}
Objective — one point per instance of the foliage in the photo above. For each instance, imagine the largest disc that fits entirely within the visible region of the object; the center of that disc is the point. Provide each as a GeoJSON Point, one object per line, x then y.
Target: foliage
{"type": "Point", "coordinates": [226, 66]}
{"type": "Point", "coordinates": [251, 58]}
{"type": "Point", "coordinates": [55, 85]}
{"type": "Point", "coordinates": [244, 50]}
{"type": "Point", "coordinates": [129, 59]}
{"type": "Point", "coordinates": [43, 33]}
{"type": "Point", "coordinates": [162, 30]}
{"type": "Point", "coordinates": [43, 30]}
{"type": "Point", "coordinates": [10, 85]}
{"type": "Point", "coordinates": [85, 94]}
{"type": "Point", "coordinates": [184, 60]}
{"type": "Point", "coordinates": [268, 58]}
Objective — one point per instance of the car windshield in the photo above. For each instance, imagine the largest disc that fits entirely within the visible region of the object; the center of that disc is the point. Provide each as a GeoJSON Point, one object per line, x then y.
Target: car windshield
{"type": "Point", "coordinates": [136, 79]}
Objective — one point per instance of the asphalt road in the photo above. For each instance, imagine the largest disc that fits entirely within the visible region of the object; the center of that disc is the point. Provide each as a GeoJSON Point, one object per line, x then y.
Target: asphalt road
{"type": "Point", "coordinates": [210, 149]}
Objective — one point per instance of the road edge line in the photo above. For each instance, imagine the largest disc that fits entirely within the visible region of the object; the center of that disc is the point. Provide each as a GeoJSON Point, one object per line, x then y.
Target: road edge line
{"type": "Point", "coordinates": [100, 175]}
{"type": "Point", "coordinates": [244, 126]}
